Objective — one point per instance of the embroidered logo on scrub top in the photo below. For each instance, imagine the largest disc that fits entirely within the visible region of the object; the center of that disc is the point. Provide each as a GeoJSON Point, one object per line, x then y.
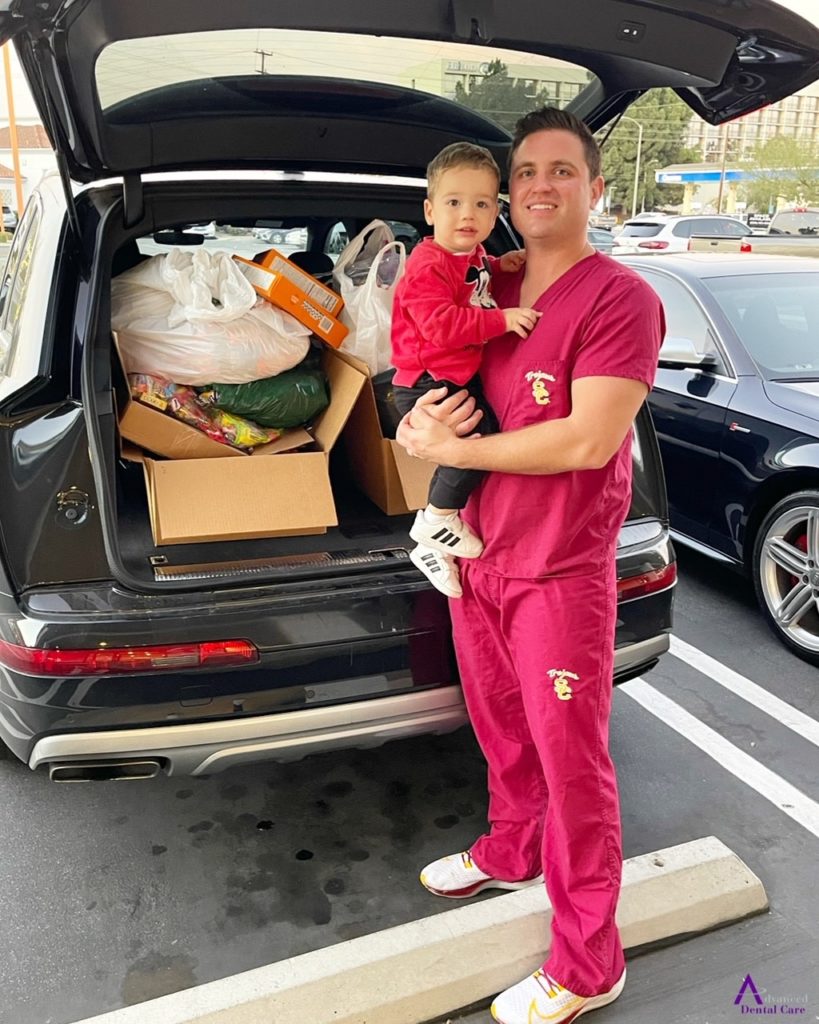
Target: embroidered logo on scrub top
{"type": "Point", "coordinates": [563, 687]}
{"type": "Point", "coordinates": [540, 392]}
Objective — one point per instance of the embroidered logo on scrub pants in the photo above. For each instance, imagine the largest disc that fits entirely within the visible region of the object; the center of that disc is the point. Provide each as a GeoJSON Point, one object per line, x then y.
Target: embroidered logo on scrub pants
{"type": "Point", "coordinates": [563, 687]}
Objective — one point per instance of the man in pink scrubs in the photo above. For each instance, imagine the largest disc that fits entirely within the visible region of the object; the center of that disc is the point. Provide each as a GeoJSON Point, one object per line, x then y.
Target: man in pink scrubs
{"type": "Point", "coordinates": [534, 631]}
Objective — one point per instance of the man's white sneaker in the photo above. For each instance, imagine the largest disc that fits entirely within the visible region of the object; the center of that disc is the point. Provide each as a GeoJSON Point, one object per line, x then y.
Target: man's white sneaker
{"type": "Point", "coordinates": [440, 570]}
{"type": "Point", "coordinates": [451, 536]}
{"type": "Point", "coordinates": [457, 877]}
{"type": "Point", "coordinates": [540, 998]}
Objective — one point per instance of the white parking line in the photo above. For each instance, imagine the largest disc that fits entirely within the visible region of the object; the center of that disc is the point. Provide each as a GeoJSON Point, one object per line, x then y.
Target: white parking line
{"type": "Point", "coordinates": [797, 721]}
{"type": "Point", "coordinates": [773, 787]}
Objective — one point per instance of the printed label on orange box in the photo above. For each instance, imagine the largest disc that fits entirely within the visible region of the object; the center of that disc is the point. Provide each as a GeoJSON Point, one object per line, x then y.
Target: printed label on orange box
{"type": "Point", "coordinates": [287, 295]}
{"type": "Point", "coordinates": [305, 282]}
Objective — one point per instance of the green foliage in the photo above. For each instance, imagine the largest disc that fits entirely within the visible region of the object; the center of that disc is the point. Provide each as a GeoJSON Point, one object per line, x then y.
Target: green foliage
{"type": "Point", "coordinates": [501, 98]}
{"type": "Point", "coordinates": [664, 118]}
{"type": "Point", "coordinates": [783, 166]}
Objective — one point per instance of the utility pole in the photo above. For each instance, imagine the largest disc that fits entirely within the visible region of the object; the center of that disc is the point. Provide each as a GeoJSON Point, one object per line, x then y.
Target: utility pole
{"type": "Point", "coordinates": [624, 117]}
{"type": "Point", "coordinates": [15, 149]}
{"type": "Point", "coordinates": [263, 54]}
{"type": "Point", "coordinates": [723, 158]}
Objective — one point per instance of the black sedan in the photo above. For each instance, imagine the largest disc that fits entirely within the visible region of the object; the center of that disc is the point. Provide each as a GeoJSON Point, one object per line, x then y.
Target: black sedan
{"type": "Point", "coordinates": [736, 406]}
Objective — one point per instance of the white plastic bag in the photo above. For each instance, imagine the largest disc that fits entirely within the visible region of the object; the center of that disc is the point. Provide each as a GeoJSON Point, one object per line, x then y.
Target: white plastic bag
{"type": "Point", "coordinates": [196, 319]}
{"type": "Point", "coordinates": [368, 307]}
{"type": "Point", "coordinates": [355, 260]}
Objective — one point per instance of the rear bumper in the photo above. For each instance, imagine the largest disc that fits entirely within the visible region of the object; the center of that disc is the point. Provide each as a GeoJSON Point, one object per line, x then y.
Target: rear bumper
{"type": "Point", "coordinates": [336, 669]}
{"type": "Point", "coordinates": [204, 748]}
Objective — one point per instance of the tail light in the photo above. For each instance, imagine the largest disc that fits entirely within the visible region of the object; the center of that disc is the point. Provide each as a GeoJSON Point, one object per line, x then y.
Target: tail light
{"type": "Point", "coordinates": [647, 583]}
{"type": "Point", "coordinates": [745, 247]}
{"type": "Point", "coordinates": [103, 661]}
{"type": "Point", "coordinates": [652, 245]}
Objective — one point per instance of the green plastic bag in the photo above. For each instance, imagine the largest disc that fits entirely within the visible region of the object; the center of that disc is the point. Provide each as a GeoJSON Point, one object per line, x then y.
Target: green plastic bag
{"type": "Point", "coordinates": [289, 399]}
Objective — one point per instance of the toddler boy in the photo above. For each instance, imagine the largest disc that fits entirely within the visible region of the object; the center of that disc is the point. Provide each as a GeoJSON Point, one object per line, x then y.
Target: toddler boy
{"type": "Point", "coordinates": [442, 316]}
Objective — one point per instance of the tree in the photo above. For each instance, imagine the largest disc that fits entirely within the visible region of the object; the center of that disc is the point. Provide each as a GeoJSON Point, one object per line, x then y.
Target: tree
{"type": "Point", "coordinates": [782, 166]}
{"type": "Point", "coordinates": [501, 98]}
{"type": "Point", "coordinates": [664, 118]}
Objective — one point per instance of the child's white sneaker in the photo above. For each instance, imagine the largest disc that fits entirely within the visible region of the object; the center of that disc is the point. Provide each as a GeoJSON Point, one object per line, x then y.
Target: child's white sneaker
{"type": "Point", "coordinates": [449, 535]}
{"type": "Point", "coordinates": [440, 570]}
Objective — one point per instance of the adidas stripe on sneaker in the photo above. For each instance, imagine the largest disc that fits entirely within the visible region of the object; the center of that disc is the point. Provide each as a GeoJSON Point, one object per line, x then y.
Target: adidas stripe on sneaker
{"type": "Point", "coordinates": [439, 569]}
{"type": "Point", "coordinates": [451, 536]}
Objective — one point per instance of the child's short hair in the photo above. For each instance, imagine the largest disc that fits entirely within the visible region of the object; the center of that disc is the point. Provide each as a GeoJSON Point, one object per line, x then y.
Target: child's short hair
{"type": "Point", "coordinates": [460, 154]}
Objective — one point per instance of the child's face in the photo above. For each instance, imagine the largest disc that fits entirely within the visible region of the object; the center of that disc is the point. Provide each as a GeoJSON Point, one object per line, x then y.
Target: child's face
{"type": "Point", "coordinates": [463, 208]}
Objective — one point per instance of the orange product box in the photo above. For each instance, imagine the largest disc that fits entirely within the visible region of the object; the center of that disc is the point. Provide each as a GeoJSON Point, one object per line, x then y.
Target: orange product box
{"type": "Point", "coordinates": [296, 292]}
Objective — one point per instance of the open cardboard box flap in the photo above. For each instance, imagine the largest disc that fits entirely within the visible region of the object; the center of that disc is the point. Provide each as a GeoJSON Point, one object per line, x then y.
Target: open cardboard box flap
{"type": "Point", "coordinates": [163, 435]}
{"type": "Point", "coordinates": [391, 478]}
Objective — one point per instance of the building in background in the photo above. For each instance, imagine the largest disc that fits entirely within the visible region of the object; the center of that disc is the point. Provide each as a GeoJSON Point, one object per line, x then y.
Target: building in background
{"type": "Point", "coordinates": [796, 117]}
{"type": "Point", "coordinates": [36, 159]}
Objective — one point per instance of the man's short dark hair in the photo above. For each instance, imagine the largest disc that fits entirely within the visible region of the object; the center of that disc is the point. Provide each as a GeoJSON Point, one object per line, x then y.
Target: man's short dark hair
{"type": "Point", "coordinates": [553, 119]}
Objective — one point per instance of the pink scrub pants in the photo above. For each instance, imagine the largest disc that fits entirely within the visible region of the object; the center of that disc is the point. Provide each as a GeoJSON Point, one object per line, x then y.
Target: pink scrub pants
{"type": "Point", "coordinates": [536, 660]}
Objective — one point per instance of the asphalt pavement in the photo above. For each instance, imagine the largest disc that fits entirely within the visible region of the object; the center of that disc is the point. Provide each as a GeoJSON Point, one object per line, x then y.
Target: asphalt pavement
{"type": "Point", "coordinates": [114, 894]}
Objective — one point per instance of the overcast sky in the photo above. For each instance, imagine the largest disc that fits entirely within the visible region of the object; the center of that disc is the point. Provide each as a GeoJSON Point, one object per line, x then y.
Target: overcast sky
{"type": "Point", "coordinates": [25, 109]}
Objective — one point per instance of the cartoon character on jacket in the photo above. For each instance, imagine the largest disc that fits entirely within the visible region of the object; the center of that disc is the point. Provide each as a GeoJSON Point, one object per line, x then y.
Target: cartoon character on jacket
{"type": "Point", "coordinates": [481, 277]}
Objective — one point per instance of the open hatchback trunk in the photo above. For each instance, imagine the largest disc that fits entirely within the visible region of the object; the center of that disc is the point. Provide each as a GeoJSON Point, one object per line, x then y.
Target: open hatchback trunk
{"type": "Point", "coordinates": [249, 113]}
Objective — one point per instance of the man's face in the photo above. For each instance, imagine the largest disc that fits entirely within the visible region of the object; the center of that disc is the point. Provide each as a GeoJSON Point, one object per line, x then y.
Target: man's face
{"type": "Point", "coordinates": [550, 192]}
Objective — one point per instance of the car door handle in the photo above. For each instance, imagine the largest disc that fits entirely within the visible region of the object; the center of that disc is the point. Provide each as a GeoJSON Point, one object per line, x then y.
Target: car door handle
{"type": "Point", "coordinates": [738, 429]}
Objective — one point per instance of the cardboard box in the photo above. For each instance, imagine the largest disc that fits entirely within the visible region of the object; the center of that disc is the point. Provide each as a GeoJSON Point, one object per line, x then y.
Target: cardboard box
{"type": "Point", "coordinates": [207, 491]}
{"type": "Point", "coordinates": [162, 434]}
{"type": "Point", "coordinates": [390, 477]}
{"type": "Point", "coordinates": [296, 292]}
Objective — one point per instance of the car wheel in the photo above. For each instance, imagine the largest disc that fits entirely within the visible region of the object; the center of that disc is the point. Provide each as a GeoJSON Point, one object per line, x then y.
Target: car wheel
{"type": "Point", "coordinates": [786, 572]}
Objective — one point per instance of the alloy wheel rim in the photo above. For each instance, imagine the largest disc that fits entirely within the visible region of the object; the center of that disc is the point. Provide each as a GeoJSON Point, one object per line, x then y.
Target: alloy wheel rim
{"type": "Point", "coordinates": [789, 575]}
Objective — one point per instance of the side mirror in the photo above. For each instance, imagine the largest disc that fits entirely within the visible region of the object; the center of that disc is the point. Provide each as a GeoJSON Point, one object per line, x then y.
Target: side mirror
{"type": "Point", "coordinates": [681, 353]}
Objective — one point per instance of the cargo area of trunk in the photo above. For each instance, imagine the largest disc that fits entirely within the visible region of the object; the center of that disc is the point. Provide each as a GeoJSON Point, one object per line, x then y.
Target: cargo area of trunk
{"type": "Point", "coordinates": [366, 539]}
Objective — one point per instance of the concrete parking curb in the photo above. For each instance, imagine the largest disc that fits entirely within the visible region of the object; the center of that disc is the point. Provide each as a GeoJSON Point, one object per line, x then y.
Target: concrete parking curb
{"type": "Point", "coordinates": [428, 968]}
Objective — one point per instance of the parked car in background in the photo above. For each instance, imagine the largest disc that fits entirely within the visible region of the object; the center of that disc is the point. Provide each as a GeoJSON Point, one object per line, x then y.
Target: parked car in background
{"type": "Point", "coordinates": [126, 651]}
{"type": "Point", "coordinates": [799, 222]}
{"type": "Point", "coordinates": [659, 234]}
{"type": "Point", "coordinates": [206, 230]}
{"type": "Point", "coordinates": [9, 219]}
{"type": "Point", "coordinates": [601, 239]}
{"type": "Point", "coordinates": [789, 233]}
{"type": "Point", "coordinates": [736, 408]}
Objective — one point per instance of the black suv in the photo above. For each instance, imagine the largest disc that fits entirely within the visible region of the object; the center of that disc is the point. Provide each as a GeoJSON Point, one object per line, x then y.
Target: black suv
{"type": "Point", "coordinates": [120, 659]}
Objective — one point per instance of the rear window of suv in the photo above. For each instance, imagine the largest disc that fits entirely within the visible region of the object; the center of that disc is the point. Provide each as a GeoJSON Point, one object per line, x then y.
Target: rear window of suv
{"type": "Point", "coordinates": [641, 230]}
{"type": "Point", "coordinates": [795, 222]}
{"type": "Point", "coordinates": [501, 84]}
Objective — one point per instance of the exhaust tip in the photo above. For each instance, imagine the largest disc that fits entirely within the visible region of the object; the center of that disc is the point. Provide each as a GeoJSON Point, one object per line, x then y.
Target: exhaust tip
{"type": "Point", "coordinates": [104, 771]}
